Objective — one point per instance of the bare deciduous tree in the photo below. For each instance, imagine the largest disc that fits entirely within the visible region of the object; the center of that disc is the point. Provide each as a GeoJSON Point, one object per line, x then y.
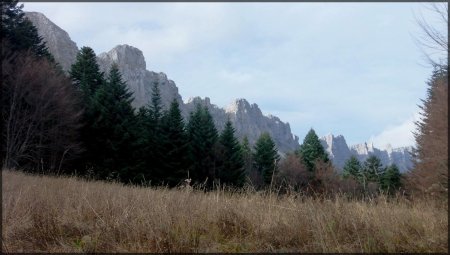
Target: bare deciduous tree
{"type": "Point", "coordinates": [40, 115]}
{"type": "Point", "coordinates": [433, 39]}
{"type": "Point", "coordinates": [292, 172]}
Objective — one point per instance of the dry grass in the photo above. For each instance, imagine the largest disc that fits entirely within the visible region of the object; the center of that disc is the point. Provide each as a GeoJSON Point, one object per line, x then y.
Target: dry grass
{"type": "Point", "coordinates": [70, 215]}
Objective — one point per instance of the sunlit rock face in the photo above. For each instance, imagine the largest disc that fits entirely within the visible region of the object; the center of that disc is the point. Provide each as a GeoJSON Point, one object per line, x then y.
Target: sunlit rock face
{"type": "Point", "coordinates": [58, 41]}
{"type": "Point", "coordinates": [132, 66]}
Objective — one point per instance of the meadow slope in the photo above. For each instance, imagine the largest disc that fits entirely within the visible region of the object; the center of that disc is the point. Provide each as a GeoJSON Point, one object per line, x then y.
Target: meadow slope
{"type": "Point", "coordinates": [42, 213]}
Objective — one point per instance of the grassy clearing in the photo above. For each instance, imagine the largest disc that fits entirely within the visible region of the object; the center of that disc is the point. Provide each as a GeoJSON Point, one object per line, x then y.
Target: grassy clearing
{"type": "Point", "coordinates": [70, 215]}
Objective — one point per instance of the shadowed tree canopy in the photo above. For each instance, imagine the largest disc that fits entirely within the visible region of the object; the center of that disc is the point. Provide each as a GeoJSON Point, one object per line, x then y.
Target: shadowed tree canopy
{"type": "Point", "coordinates": [112, 127]}
{"type": "Point", "coordinates": [40, 113]}
{"type": "Point", "coordinates": [175, 145]}
{"type": "Point", "coordinates": [231, 169]}
{"type": "Point", "coordinates": [20, 32]}
{"type": "Point", "coordinates": [203, 136]}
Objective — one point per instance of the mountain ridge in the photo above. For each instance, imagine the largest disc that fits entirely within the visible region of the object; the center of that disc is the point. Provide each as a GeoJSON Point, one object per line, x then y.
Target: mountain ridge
{"type": "Point", "coordinates": [248, 119]}
{"type": "Point", "coordinates": [339, 152]}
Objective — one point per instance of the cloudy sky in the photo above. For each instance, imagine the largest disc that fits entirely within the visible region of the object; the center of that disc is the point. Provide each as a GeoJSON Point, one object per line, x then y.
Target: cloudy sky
{"type": "Point", "coordinates": [342, 68]}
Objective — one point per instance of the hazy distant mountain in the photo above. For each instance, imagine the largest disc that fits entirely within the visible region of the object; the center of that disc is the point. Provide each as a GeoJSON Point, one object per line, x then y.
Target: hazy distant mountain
{"type": "Point", "coordinates": [247, 118]}
{"type": "Point", "coordinates": [339, 152]}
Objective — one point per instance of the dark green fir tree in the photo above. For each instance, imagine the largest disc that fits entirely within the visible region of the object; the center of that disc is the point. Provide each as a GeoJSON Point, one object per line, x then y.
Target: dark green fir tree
{"type": "Point", "coordinates": [266, 157]}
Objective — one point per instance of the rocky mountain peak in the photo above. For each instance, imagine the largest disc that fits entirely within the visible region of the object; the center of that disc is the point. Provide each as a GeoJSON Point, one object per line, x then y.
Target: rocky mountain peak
{"type": "Point", "coordinates": [247, 118]}
{"type": "Point", "coordinates": [63, 49]}
{"type": "Point", "coordinates": [125, 56]}
{"type": "Point", "coordinates": [237, 105]}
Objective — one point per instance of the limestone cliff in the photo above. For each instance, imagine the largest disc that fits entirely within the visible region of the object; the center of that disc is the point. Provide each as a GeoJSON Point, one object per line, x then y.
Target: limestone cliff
{"type": "Point", "coordinates": [248, 119]}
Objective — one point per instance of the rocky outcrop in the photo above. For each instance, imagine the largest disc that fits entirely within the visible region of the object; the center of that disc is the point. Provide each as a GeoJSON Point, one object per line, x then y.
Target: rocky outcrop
{"type": "Point", "coordinates": [337, 149]}
{"type": "Point", "coordinates": [63, 49]}
{"type": "Point", "coordinates": [339, 153]}
{"type": "Point", "coordinates": [132, 66]}
{"type": "Point", "coordinates": [248, 119]}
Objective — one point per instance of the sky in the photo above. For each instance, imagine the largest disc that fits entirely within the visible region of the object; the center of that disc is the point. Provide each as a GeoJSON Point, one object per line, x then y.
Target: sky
{"type": "Point", "coordinates": [351, 69]}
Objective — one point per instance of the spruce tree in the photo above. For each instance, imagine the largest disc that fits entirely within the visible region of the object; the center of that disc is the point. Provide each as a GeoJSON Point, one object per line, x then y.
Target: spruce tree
{"type": "Point", "coordinates": [20, 32]}
{"type": "Point", "coordinates": [113, 126]}
{"type": "Point", "coordinates": [151, 140]}
{"type": "Point", "coordinates": [390, 181]}
{"type": "Point", "coordinates": [85, 73]}
{"type": "Point", "coordinates": [175, 146]}
{"type": "Point", "coordinates": [156, 139]}
{"type": "Point", "coordinates": [139, 172]}
{"type": "Point", "coordinates": [372, 170]}
{"type": "Point", "coordinates": [231, 170]}
{"type": "Point", "coordinates": [202, 141]}
{"type": "Point", "coordinates": [312, 150]}
{"type": "Point", "coordinates": [352, 168]}
{"type": "Point", "coordinates": [87, 79]}
{"type": "Point", "coordinates": [247, 155]}
{"type": "Point", "coordinates": [266, 157]}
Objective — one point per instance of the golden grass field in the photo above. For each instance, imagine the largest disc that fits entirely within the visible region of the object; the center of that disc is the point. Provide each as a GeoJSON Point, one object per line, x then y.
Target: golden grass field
{"type": "Point", "coordinates": [53, 214]}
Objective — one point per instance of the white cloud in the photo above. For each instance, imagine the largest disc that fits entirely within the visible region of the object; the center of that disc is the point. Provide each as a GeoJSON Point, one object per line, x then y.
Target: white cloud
{"type": "Point", "coordinates": [399, 135]}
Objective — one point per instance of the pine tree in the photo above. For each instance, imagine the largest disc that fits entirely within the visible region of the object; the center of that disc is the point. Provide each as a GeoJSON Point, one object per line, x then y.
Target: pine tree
{"type": "Point", "coordinates": [312, 150]}
{"type": "Point", "coordinates": [352, 168]}
{"type": "Point", "coordinates": [266, 157]}
{"type": "Point", "coordinates": [139, 172]}
{"type": "Point", "coordinates": [20, 32]}
{"type": "Point", "coordinates": [156, 139]}
{"type": "Point", "coordinates": [372, 169]}
{"type": "Point", "coordinates": [113, 126]}
{"type": "Point", "coordinates": [247, 155]}
{"type": "Point", "coordinates": [175, 146]}
{"type": "Point", "coordinates": [202, 142]}
{"type": "Point", "coordinates": [390, 180]}
{"type": "Point", "coordinates": [151, 141]}
{"type": "Point", "coordinates": [85, 73]}
{"type": "Point", "coordinates": [231, 170]}
{"type": "Point", "coordinates": [87, 79]}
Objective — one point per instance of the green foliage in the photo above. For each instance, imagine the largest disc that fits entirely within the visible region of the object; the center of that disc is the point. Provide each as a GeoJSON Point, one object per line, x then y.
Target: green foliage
{"type": "Point", "coordinates": [87, 79]}
{"type": "Point", "coordinates": [175, 146]}
{"type": "Point", "coordinates": [352, 168]}
{"type": "Point", "coordinates": [150, 153]}
{"type": "Point", "coordinates": [155, 107]}
{"type": "Point", "coordinates": [372, 169]}
{"type": "Point", "coordinates": [312, 150]}
{"type": "Point", "coordinates": [85, 73]}
{"type": "Point", "coordinates": [231, 170]}
{"type": "Point", "coordinates": [202, 145]}
{"type": "Point", "coordinates": [390, 181]}
{"type": "Point", "coordinates": [247, 155]}
{"type": "Point", "coordinates": [20, 32]}
{"type": "Point", "coordinates": [266, 157]}
{"type": "Point", "coordinates": [112, 126]}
